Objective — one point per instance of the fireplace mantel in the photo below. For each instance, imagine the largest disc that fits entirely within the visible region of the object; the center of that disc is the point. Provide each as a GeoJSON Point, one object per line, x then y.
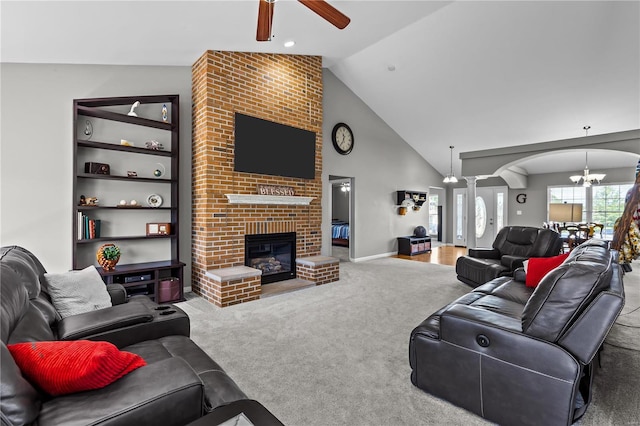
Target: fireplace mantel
{"type": "Point", "coordinates": [269, 199]}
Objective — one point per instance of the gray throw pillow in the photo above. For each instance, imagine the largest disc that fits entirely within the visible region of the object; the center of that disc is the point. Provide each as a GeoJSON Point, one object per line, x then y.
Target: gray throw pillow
{"type": "Point", "coordinates": [76, 292]}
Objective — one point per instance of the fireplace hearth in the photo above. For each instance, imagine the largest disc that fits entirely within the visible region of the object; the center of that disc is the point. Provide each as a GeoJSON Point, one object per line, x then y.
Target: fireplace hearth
{"type": "Point", "coordinates": [273, 254]}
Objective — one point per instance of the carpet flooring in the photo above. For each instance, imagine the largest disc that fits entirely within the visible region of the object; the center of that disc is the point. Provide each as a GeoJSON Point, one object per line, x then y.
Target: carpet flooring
{"type": "Point", "coordinates": [337, 354]}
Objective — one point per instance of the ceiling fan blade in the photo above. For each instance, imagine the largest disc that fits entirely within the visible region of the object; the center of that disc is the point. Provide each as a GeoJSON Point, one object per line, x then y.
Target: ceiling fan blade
{"type": "Point", "coordinates": [328, 12]}
{"type": "Point", "coordinates": [265, 20]}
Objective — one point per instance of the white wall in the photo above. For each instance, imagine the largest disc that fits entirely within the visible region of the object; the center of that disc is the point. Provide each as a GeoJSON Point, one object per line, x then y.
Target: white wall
{"type": "Point", "coordinates": [381, 163]}
{"type": "Point", "coordinates": [36, 148]}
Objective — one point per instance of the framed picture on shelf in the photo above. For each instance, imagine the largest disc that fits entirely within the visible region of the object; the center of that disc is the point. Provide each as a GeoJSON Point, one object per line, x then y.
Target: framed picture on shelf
{"type": "Point", "coordinates": [158, 229]}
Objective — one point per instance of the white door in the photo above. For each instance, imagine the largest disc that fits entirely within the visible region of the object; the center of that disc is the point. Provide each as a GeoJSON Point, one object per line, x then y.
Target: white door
{"type": "Point", "coordinates": [491, 213]}
{"type": "Point", "coordinates": [460, 217]}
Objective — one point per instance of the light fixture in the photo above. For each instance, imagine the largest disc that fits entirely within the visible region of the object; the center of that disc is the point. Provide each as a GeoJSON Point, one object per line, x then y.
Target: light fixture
{"type": "Point", "coordinates": [588, 179]}
{"type": "Point", "coordinates": [289, 43]}
{"type": "Point", "coordinates": [346, 187]}
{"type": "Point", "coordinates": [450, 178]}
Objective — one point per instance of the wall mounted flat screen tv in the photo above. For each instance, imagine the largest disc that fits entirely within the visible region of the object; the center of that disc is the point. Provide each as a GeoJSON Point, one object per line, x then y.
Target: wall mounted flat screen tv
{"type": "Point", "coordinates": [269, 148]}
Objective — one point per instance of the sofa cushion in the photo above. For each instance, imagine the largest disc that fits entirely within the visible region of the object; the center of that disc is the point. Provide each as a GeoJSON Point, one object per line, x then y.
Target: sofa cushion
{"type": "Point", "coordinates": [219, 388]}
{"type": "Point", "coordinates": [76, 292]}
{"type": "Point", "coordinates": [564, 292]}
{"type": "Point", "coordinates": [538, 267]}
{"type": "Point", "coordinates": [26, 267]}
{"type": "Point", "coordinates": [516, 240]}
{"type": "Point", "coordinates": [19, 400]}
{"type": "Point", "coordinates": [60, 368]}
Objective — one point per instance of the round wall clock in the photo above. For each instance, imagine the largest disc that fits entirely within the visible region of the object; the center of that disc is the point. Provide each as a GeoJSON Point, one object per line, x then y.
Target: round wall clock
{"type": "Point", "coordinates": [342, 138]}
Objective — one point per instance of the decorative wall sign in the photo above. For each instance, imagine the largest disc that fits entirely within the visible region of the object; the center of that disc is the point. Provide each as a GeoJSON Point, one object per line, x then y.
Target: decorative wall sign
{"type": "Point", "coordinates": [521, 198]}
{"type": "Point", "coordinates": [276, 190]}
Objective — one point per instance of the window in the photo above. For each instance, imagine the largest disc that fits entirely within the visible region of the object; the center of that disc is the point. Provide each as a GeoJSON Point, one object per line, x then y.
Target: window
{"type": "Point", "coordinates": [602, 204]}
{"type": "Point", "coordinates": [433, 214]}
{"type": "Point", "coordinates": [570, 195]}
{"type": "Point", "coordinates": [481, 217]}
{"type": "Point", "coordinates": [608, 205]}
{"type": "Point", "coordinates": [459, 215]}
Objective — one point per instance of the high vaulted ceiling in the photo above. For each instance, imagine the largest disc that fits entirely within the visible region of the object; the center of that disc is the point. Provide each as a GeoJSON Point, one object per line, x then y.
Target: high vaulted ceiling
{"type": "Point", "coordinates": [473, 74]}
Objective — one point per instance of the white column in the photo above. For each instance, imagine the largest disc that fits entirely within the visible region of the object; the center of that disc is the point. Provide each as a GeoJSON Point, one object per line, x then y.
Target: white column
{"type": "Point", "coordinates": [471, 211]}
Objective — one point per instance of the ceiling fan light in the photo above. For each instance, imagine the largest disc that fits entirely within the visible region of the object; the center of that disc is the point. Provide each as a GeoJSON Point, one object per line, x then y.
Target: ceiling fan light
{"type": "Point", "coordinates": [575, 179]}
{"type": "Point", "coordinates": [453, 179]}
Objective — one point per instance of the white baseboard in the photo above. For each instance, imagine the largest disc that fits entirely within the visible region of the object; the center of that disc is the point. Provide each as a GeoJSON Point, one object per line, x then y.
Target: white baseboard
{"type": "Point", "coordinates": [375, 256]}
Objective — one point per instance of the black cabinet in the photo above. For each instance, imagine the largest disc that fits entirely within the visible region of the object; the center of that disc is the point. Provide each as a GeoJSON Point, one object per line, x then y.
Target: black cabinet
{"type": "Point", "coordinates": [413, 245]}
{"type": "Point", "coordinates": [160, 281]}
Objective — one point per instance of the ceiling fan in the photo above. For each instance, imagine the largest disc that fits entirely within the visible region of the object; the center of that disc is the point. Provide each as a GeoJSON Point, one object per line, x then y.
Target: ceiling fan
{"type": "Point", "coordinates": [321, 7]}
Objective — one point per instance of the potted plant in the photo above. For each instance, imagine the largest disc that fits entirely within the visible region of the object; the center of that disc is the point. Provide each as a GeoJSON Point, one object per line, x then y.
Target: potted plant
{"type": "Point", "coordinates": [108, 256]}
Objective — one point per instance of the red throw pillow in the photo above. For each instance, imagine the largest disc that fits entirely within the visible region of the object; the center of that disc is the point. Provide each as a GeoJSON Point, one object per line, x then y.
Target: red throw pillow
{"type": "Point", "coordinates": [539, 266]}
{"type": "Point", "coordinates": [59, 368]}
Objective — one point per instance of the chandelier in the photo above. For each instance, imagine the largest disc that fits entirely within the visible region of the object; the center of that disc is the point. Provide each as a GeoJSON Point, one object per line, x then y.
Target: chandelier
{"type": "Point", "coordinates": [450, 178]}
{"type": "Point", "coordinates": [587, 178]}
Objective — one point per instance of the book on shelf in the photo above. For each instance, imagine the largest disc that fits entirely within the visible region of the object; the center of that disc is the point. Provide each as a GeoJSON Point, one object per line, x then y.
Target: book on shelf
{"type": "Point", "coordinates": [88, 229]}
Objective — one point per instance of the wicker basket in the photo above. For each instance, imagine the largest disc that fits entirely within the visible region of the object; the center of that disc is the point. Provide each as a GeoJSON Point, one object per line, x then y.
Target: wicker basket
{"type": "Point", "coordinates": [107, 264]}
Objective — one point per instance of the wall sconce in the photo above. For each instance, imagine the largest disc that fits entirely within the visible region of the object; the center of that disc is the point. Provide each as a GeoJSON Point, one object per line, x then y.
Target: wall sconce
{"type": "Point", "coordinates": [346, 187]}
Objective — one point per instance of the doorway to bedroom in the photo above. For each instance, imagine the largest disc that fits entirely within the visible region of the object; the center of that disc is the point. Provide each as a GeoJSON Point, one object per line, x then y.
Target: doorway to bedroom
{"type": "Point", "coordinates": [341, 217]}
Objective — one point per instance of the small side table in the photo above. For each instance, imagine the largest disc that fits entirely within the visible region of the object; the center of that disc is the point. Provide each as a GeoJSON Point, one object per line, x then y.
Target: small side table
{"type": "Point", "coordinates": [238, 412]}
{"type": "Point", "coordinates": [413, 245]}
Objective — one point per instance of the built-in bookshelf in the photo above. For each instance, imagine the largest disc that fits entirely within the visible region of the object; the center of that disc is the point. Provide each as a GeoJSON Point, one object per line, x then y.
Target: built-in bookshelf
{"type": "Point", "coordinates": [126, 176]}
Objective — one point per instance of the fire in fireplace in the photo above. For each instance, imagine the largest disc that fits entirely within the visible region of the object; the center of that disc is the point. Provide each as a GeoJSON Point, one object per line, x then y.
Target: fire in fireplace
{"type": "Point", "coordinates": [273, 254]}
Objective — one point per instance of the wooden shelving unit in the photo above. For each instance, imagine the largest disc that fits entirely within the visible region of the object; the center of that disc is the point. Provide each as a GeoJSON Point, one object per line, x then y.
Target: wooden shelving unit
{"type": "Point", "coordinates": [112, 113]}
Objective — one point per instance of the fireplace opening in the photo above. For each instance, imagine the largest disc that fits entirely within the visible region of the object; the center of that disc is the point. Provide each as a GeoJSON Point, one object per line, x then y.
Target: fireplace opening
{"type": "Point", "coordinates": [273, 254]}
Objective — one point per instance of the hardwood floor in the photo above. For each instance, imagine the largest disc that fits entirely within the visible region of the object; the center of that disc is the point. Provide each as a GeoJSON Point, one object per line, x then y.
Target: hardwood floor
{"type": "Point", "coordinates": [443, 255]}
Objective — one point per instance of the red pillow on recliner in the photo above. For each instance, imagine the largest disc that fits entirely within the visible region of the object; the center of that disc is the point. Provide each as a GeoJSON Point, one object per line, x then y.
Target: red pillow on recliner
{"type": "Point", "coordinates": [538, 267]}
{"type": "Point", "coordinates": [60, 368]}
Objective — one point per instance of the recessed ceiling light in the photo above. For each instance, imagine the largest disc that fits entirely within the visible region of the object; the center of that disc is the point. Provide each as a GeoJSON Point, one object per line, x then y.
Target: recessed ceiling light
{"type": "Point", "coordinates": [289, 43]}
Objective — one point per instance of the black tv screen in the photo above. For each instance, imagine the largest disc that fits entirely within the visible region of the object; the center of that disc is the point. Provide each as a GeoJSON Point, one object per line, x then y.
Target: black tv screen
{"type": "Point", "coordinates": [269, 148]}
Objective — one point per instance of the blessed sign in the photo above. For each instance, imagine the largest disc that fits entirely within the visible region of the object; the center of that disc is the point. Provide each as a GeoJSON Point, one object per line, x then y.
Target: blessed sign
{"type": "Point", "coordinates": [275, 190]}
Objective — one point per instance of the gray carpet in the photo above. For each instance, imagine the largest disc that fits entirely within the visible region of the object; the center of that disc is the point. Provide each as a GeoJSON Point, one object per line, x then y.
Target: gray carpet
{"type": "Point", "coordinates": [337, 354]}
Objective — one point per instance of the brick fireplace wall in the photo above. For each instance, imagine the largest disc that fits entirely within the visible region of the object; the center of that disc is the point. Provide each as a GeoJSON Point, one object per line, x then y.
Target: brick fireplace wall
{"type": "Point", "coordinates": [286, 89]}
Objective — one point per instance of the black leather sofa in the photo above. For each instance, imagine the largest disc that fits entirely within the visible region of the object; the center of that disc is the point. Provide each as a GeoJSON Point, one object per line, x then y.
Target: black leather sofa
{"type": "Point", "coordinates": [522, 356]}
{"type": "Point", "coordinates": [512, 246]}
{"type": "Point", "coordinates": [179, 384]}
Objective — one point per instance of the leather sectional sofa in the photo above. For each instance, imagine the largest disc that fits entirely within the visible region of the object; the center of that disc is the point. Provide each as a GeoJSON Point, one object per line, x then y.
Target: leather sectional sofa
{"type": "Point", "coordinates": [517, 355]}
{"type": "Point", "coordinates": [179, 384]}
{"type": "Point", "coordinates": [512, 246]}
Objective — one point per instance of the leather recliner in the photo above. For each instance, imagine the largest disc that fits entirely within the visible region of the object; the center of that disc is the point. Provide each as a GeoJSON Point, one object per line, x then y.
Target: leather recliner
{"type": "Point", "coordinates": [515, 355]}
{"type": "Point", "coordinates": [512, 246]}
{"type": "Point", "coordinates": [179, 384]}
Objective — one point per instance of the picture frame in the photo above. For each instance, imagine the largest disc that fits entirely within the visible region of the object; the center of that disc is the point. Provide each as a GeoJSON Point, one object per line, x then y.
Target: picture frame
{"type": "Point", "coordinates": [156, 228]}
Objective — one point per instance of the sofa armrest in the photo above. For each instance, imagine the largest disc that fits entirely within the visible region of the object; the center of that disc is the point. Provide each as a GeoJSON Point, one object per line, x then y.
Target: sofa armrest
{"type": "Point", "coordinates": [463, 326]}
{"type": "Point", "coordinates": [512, 262]}
{"type": "Point", "coordinates": [587, 334]}
{"type": "Point", "coordinates": [167, 392]}
{"type": "Point", "coordinates": [84, 325]}
{"type": "Point", "coordinates": [520, 275]}
{"type": "Point", "coordinates": [484, 253]}
{"type": "Point", "coordinates": [118, 294]}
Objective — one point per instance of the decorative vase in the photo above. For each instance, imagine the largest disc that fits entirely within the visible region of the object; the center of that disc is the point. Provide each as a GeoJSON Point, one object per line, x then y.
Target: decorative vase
{"type": "Point", "coordinates": [107, 264]}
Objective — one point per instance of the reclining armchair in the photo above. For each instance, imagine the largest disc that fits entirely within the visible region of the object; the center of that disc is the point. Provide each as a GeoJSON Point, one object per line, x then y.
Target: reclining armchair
{"type": "Point", "coordinates": [512, 246]}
